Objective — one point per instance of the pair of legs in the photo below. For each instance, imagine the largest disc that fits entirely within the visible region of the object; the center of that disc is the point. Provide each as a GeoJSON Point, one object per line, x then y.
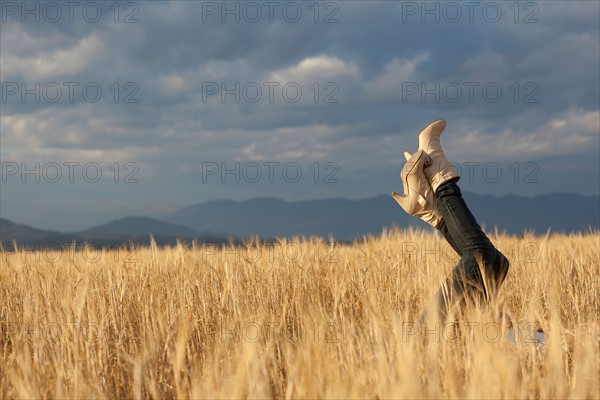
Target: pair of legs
{"type": "Point", "coordinates": [481, 269]}
{"type": "Point", "coordinates": [431, 193]}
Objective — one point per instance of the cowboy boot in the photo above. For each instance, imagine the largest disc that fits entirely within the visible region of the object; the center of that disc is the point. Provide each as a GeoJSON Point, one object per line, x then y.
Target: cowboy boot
{"type": "Point", "coordinates": [440, 171]}
{"type": "Point", "coordinates": [418, 199]}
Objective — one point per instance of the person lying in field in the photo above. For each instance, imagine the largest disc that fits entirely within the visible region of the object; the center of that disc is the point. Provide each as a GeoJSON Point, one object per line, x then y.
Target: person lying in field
{"type": "Point", "coordinates": [432, 194]}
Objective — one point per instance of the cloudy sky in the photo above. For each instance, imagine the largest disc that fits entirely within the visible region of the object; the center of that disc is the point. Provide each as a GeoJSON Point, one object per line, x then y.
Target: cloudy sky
{"type": "Point", "coordinates": [140, 107]}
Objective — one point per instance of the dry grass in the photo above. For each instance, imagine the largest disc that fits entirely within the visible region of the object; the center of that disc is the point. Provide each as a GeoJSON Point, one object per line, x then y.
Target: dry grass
{"type": "Point", "coordinates": [300, 319]}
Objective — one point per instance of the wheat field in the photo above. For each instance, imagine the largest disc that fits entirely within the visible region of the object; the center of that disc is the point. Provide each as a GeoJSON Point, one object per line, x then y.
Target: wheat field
{"type": "Point", "coordinates": [301, 318]}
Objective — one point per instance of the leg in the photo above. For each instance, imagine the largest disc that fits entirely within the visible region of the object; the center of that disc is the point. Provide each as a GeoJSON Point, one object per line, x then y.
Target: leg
{"type": "Point", "coordinates": [481, 269]}
{"type": "Point", "coordinates": [444, 229]}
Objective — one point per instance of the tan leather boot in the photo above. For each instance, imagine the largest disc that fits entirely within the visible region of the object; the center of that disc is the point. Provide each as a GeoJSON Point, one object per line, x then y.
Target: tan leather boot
{"type": "Point", "coordinates": [418, 199]}
{"type": "Point", "coordinates": [440, 171]}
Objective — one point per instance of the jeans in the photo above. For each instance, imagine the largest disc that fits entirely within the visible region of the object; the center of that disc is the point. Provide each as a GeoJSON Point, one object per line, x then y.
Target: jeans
{"type": "Point", "coordinates": [481, 269]}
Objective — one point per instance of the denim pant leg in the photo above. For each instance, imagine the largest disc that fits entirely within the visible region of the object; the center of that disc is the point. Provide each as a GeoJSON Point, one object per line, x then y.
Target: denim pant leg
{"type": "Point", "coordinates": [468, 282]}
{"type": "Point", "coordinates": [459, 221]}
{"type": "Point", "coordinates": [444, 229]}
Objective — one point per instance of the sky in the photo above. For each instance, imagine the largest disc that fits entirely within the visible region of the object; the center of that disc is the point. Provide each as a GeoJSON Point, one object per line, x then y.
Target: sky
{"type": "Point", "coordinates": [137, 108]}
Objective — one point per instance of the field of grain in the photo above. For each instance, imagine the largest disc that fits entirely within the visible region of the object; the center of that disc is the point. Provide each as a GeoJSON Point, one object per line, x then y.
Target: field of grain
{"type": "Point", "coordinates": [302, 318]}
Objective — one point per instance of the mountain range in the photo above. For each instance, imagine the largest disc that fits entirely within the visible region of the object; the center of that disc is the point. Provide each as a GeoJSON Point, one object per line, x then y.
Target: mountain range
{"type": "Point", "coordinates": [221, 220]}
{"type": "Point", "coordinates": [347, 219]}
{"type": "Point", "coordinates": [124, 231]}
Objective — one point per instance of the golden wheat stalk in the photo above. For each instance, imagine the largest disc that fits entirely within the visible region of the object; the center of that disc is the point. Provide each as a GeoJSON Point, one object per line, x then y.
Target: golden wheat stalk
{"type": "Point", "coordinates": [301, 318]}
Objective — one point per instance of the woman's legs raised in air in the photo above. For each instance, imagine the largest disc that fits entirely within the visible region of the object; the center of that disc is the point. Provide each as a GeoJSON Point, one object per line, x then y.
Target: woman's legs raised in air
{"type": "Point", "coordinates": [431, 193]}
{"type": "Point", "coordinates": [481, 269]}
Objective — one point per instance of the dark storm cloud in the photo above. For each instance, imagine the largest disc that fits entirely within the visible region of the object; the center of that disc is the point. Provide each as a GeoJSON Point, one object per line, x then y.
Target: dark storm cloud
{"type": "Point", "coordinates": [374, 55]}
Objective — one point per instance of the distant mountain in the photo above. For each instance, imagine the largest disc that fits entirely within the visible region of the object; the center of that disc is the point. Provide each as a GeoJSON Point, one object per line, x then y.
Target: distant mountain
{"type": "Point", "coordinates": [140, 226]}
{"type": "Point", "coordinates": [560, 212]}
{"type": "Point", "coordinates": [10, 231]}
{"type": "Point", "coordinates": [341, 218]}
{"type": "Point", "coordinates": [136, 230]}
{"type": "Point", "coordinates": [270, 217]}
{"type": "Point", "coordinates": [346, 219]}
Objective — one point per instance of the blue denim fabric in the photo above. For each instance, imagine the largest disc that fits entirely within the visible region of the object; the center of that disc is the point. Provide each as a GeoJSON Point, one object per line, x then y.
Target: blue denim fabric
{"type": "Point", "coordinates": [463, 233]}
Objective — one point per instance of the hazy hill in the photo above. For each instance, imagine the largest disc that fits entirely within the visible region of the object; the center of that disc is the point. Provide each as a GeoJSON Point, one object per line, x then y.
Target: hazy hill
{"type": "Point", "coordinates": [559, 211]}
{"type": "Point", "coordinates": [10, 231]}
{"type": "Point", "coordinates": [140, 226]}
{"type": "Point", "coordinates": [121, 232]}
{"type": "Point", "coordinates": [269, 217]}
{"type": "Point", "coordinates": [342, 218]}
{"type": "Point", "coordinates": [346, 219]}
